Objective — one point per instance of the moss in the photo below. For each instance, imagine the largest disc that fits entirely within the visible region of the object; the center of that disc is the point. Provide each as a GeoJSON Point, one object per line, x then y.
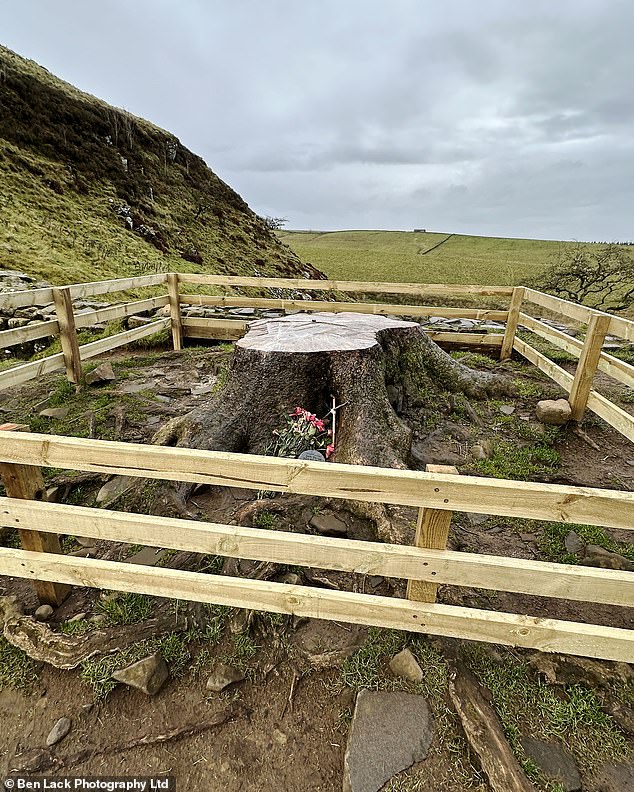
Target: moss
{"type": "Point", "coordinates": [510, 462]}
{"type": "Point", "coordinates": [17, 669]}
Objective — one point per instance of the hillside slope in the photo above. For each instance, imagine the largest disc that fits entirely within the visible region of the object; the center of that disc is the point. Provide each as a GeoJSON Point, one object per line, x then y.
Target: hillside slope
{"type": "Point", "coordinates": [89, 191]}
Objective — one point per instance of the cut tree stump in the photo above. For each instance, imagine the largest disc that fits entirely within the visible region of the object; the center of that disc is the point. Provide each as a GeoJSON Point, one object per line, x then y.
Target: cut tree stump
{"type": "Point", "coordinates": [369, 363]}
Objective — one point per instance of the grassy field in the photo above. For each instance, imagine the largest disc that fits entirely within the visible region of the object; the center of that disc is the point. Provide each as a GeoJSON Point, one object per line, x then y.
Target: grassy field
{"type": "Point", "coordinates": [400, 256]}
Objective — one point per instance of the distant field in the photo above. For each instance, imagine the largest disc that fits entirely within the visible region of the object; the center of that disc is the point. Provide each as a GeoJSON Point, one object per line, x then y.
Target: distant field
{"type": "Point", "coordinates": [399, 256]}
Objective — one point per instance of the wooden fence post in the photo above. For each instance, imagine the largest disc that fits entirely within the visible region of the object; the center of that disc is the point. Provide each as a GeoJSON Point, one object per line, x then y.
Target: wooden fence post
{"type": "Point", "coordinates": [26, 482]}
{"type": "Point", "coordinates": [511, 322]}
{"type": "Point", "coordinates": [67, 333]}
{"type": "Point", "coordinates": [175, 310]}
{"type": "Point", "coordinates": [432, 531]}
{"type": "Point", "coordinates": [587, 365]}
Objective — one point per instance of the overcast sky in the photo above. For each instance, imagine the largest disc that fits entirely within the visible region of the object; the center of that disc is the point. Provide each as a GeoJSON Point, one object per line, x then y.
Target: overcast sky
{"type": "Point", "coordinates": [491, 117]}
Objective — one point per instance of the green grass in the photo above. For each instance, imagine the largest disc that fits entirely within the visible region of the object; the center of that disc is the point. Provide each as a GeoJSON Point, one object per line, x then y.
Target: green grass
{"type": "Point", "coordinates": [508, 461]}
{"type": "Point", "coordinates": [552, 542]}
{"type": "Point", "coordinates": [395, 256]}
{"type": "Point", "coordinates": [17, 669]}
{"type": "Point", "coordinates": [528, 706]}
{"type": "Point", "coordinates": [265, 519]}
{"type": "Point", "coordinates": [127, 608]}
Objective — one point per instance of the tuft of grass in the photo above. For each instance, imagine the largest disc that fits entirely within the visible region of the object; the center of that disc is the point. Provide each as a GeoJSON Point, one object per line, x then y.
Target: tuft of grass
{"type": "Point", "coordinates": [527, 705]}
{"type": "Point", "coordinates": [243, 651]}
{"type": "Point", "coordinates": [127, 608]}
{"type": "Point", "coordinates": [525, 463]}
{"type": "Point", "coordinates": [529, 389]}
{"type": "Point", "coordinates": [17, 670]}
{"type": "Point", "coordinates": [552, 541]}
{"type": "Point", "coordinates": [78, 627]}
{"type": "Point", "coordinates": [265, 519]}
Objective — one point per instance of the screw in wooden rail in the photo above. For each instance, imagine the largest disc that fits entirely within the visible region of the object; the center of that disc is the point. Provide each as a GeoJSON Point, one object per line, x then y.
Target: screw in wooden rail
{"type": "Point", "coordinates": [27, 483]}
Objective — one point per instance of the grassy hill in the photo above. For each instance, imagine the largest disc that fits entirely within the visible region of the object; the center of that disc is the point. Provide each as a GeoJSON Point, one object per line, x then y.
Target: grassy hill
{"type": "Point", "coordinates": [88, 191]}
{"type": "Point", "coordinates": [402, 256]}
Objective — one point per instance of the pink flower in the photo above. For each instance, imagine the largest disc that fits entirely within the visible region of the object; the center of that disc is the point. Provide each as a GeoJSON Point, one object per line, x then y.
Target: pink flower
{"type": "Point", "coordinates": [329, 450]}
{"type": "Point", "coordinates": [318, 424]}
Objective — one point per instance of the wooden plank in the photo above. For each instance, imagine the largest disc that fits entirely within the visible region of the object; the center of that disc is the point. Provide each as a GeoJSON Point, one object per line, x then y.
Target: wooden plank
{"type": "Point", "coordinates": [115, 312]}
{"type": "Point", "coordinates": [344, 307]}
{"type": "Point", "coordinates": [305, 284]}
{"type": "Point", "coordinates": [120, 339]}
{"type": "Point", "coordinates": [532, 500]}
{"type": "Point", "coordinates": [22, 299]}
{"type": "Point", "coordinates": [617, 417]}
{"type": "Point", "coordinates": [28, 371]}
{"type": "Point", "coordinates": [432, 532]}
{"type": "Point", "coordinates": [219, 329]}
{"type": "Point", "coordinates": [540, 578]}
{"type": "Point", "coordinates": [547, 635]}
{"type": "Point", "coordinates": [511, 322]}
{"type": "Point", "coordinates": [587, 365]}
{"type": "Point", "coordinates": [551, 334]}
{"type": "Point", "coordinates": [175, 311]}
{"type": "Point", "coordinates": [22, 335]}
{"type": "Point", "coordinates": [555, 372]}
{"type": "Point", "coordinates": [624, 328]}
{"type": "Point", "coordinates": [26, 482]}
{"type": "Point", "coordinates": [68, 334]}
{"type": "Point", "coordinates": [617, 369]}
{"type": "Point", "coordinates": [79, 290]}
{"type": "Point", "coordinates": [466, 339]}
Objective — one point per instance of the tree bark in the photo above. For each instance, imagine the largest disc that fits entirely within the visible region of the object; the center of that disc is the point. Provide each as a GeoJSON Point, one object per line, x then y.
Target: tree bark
{"type": "Point", "coordinates": [369, 364]}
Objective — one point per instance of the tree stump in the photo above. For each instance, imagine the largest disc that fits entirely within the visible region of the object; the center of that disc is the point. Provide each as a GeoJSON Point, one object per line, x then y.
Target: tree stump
{"type": "Point", "coordinates": [368, 363]}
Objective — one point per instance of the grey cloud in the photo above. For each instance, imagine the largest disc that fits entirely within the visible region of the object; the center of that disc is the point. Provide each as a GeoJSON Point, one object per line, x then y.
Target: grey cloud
{"type": "Point", "coordinates": [489, 118]}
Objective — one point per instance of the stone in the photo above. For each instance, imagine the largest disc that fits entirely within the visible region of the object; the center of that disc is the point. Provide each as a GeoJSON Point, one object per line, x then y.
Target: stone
{"type": "Point", "coordinates": [78, 617]}
{"type": "Point", "coordinates": [147, 556]}
{"type": "Point", "coordinates": [605, 559]}
{"type": "Point", "coordinates": [478, 451]}
{"type": "Point", "coordinates": [312, 455]}
{"type": "Point", "coordinates": [55, 412]}
{"type": "Point", "coordinates": [573, 543]}
{"type": "Point", "coordinates": [147, 675]}
{"type": "Point", "coordinates": [615, 778]}
{"type": "Point", "coordinates": [86, 541]}
{"type": "Point", "coordinates": [203, 390]}
{"type": "Point", "coordinates": [114, 488]}
{"type": "Point", "coordinates": [59, 731]}
{"type": "Point", "coordinates": [291, 579]}
{"type": "Point", "coordinates": [554, 412]}
{"type": "Point", "coordinates": [325, 644]}
{"type": "Point", "coordinates": [405, 665]}
{"type": "Point", "coordinates": [328, 525]}
{"type": "Point", "coordinates": [572, 670]}
{"type": "Point", "coordinates": [555, 762]}
{"type": "Point", "coordinates": [103, 373]}
{"type": "Point", "coordinates": [507, 409]}
{"type": "Point", "coordinates": [43, 613]}
{"type": "Point", "coordinates": [389, 733]}
{"type": "Point", "coordinates": [138, 321]}
{"type": "Point", "coordinates": [222, 676]}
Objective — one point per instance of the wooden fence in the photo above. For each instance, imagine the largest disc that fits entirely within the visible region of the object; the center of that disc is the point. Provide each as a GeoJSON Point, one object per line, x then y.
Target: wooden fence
{"type": "Point", "coordinates": [437, 494]}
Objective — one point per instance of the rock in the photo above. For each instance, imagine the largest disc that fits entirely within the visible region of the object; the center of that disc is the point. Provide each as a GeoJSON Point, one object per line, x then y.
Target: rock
{"type": "Point", "coordinates": [55, 412]}
{"type": "Point", "coordinates": [43, 613]}
{"type": "Point", "coordinates": [606, 559]}
{"type": "Point", "coordinates": [114, 488]}
{"type": "Point", "coordinates": [555, 412]}
{"type": "Point", "coordinates": [622, 714]}
{"type": "Point", "coordinates": [86, 541]}
{"type": "Point", "coordinates": [405, 665]}
{"type": "Point", "coordinates": [507, 409]}
{"type": "Point", "coordinates": [615, 778]}
{"type": "Point", "coordinates": [59, 731]}
{"type": "Point", "coordinates": [148, 556]}
{"type": "Point", "coordinates": [328, 525]}
{"type": "Point", "coordinates": [311, 455]}
{"type": "Point", "coordinates": [103, 373]}
{"type": "Point", "coordinates": [574, 543]}
{"type": "Point", "coordinates": [147, 675]}
{"type": "Point", "coordinates": [291, 579]}
{"type": "Point", "coordinates": [554, 761]}
{"type": "Point", "coordinates": [325, 644]}
{"type": "Point", "coordinates": [138, 321]}
{"type": "Point", "coordinates": [477, 519]}
{"type": "Point", "coordinates": [223, 675]}
{"type": "Point", "coordinates": [203, 390]}
{"type": "Point", "coordinates": [478, 451]}
{"type": "Point", "coordinates": [389, 733]}
{"type": "Point", "coordinates": [78, 617]}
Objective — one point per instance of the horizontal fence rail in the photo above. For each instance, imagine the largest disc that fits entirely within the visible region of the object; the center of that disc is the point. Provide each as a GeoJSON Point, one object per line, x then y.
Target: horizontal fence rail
{"type": "Point", "coordinates": [579, 386]}
{"type": "Point", "coordinates": [439, 492]}
{"type": "Point", "coordinates": [533, 500]}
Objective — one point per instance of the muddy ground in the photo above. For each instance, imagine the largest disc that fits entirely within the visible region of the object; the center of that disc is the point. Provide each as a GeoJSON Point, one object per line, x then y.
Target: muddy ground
{"type": "Point", "coordinates": [286, 724]}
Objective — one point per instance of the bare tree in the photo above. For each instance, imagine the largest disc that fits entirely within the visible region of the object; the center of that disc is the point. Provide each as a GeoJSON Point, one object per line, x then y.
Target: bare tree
{"type": "Point", "coordinates": [275, 223]}
{"type": "Point", "coordinates": [597, 276]}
